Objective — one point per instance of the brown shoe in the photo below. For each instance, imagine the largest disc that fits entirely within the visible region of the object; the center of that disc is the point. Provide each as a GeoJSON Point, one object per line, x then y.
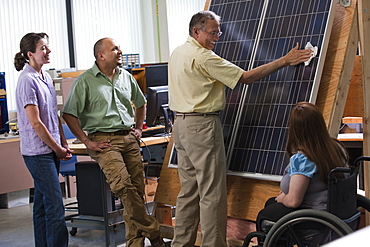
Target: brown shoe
{"type": "Point", "coordinates": [157, 242]}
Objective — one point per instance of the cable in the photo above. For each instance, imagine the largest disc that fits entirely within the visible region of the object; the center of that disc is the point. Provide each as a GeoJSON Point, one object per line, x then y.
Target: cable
{"type": "Point", "coordinates": [146, 171]}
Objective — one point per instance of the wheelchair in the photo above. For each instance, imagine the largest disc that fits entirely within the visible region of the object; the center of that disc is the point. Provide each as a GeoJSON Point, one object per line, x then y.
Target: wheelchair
{"type": "Point", "coordinates": [312, 227]}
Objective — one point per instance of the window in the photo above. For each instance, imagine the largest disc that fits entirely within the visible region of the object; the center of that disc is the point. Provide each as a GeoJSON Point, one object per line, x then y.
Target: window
{"type": "Point", "coordinates": [96, 19]}
{"type": "Point", "coordinates": [179, 14]}
{"type": "Point", "coordinates": [20, 17]}
{"type": "Point", "coordinates": [127, 21]}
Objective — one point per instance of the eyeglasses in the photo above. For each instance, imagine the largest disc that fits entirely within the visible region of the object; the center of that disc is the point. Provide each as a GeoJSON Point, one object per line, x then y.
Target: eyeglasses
{"type": "Point", "coordinates": [213, 33]}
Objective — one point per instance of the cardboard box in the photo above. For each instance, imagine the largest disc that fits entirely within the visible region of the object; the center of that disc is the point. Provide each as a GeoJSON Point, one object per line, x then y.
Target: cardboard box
{"type": "Point", "coordinates": [164, 215]}
{"type": "Point", "coordinates": [150, 189]}
{"type": "Point", "coordinates": [15, 199]}
{"type": "Point", "coordinates": [72, 74]}
{"type": "Point", "coordinates": [351, 125]}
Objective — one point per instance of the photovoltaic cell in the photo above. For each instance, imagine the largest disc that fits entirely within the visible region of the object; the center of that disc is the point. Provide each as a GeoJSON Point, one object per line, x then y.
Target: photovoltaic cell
{"type": "Point", "coordinates": [255, 32]}
{"type": "Point", "coordinates": [240, 20]}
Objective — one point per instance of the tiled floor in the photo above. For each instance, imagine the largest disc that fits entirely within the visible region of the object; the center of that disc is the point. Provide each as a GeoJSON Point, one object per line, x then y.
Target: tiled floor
{"type": "Point", "coordinates": [16, 230]}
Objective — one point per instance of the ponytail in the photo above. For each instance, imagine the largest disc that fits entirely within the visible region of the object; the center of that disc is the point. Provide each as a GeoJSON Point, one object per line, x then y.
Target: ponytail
{"type": "Point", "coordinates": [19, 61]}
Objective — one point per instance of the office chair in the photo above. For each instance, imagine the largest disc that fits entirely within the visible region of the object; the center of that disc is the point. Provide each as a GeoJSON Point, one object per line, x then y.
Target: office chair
{"type": "Point", "coordinates": [67, 168]}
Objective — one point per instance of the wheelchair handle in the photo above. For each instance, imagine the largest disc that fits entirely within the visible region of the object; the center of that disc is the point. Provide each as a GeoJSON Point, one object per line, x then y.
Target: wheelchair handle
{"type": "Point", "coordinates": [359, 159]}
{"type": "Point", "coordinates": [338, 169]}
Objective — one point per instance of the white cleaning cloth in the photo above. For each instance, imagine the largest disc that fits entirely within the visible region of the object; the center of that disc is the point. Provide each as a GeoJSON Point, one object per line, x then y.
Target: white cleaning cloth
{"type": "Point", "coordinates": [312, 48]}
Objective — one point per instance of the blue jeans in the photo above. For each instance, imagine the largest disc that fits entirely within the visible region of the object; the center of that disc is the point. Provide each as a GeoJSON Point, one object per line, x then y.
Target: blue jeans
{"type": "Point", "coordinates": [48, 210]}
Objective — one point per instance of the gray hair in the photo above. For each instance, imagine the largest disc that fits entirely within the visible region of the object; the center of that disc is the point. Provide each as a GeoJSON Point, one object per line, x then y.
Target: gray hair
{"type": "Point", "coordinates": [199, 20]}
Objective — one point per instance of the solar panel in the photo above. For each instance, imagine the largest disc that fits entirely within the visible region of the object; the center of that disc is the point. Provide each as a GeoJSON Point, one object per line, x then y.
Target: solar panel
{"type": "Point", "coordinates": [255, 32]}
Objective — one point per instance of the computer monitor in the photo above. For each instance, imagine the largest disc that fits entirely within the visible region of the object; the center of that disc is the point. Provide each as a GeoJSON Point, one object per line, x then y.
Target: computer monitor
{"type": "Point", "coordinates": [158, 112]}
{"type": "Point", "coordinates": [156, 75]}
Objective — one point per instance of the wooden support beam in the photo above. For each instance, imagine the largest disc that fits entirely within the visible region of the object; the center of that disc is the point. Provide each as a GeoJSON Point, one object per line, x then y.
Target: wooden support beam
{"type": "Point", "coordinates": [338, 66]}
{"type": "Point", "coordinates": [364, 27]}
{"type": "Point", "coordinates": [207, 4]}
{"type": "Point", "coordinates": [169, 183]}
{"type": "Point", "coordinates": [355, 98]}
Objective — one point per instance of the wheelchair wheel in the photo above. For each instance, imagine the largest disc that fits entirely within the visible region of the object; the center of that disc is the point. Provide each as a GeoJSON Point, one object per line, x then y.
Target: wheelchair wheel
{"type": "Point", "coordinates": [306, 227]}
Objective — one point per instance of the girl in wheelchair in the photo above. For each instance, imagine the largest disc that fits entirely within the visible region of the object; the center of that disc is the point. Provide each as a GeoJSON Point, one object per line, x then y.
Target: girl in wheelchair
{"type": "Point", "coordinates": [313, 154]}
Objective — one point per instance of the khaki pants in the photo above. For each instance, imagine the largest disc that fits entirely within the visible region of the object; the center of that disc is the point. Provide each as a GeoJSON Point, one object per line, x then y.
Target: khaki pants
{"type": "Point", "coordinates": [202, 171]}
{"type": "Point", "coordinates": [123, 169]}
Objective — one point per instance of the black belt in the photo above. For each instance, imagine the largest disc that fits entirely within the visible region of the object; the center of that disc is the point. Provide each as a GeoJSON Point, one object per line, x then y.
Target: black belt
{"type": "Point", "coordinates": [118, 132]}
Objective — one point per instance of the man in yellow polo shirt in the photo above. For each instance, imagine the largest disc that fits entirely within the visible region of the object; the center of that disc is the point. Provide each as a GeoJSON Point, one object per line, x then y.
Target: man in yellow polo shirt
{"type": "Point", "coordinates": [197, 80]}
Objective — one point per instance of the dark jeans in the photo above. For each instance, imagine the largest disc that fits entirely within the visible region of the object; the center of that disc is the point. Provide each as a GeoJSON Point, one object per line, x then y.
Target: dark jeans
{"type": "Point", "coordinates": [48, 210]}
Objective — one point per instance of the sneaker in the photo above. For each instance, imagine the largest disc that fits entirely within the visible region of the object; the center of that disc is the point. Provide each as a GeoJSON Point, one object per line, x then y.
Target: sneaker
{"type": "Point", "coordinates": [157, 242]}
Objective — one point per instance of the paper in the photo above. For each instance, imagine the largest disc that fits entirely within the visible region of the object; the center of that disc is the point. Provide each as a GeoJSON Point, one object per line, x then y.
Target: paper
{"type": "Point", "coordinates": [57, 86]}
{"type": "Point", "coordinates": [59, 100]}
{"type": "Point", "coordinates": [312, 48]}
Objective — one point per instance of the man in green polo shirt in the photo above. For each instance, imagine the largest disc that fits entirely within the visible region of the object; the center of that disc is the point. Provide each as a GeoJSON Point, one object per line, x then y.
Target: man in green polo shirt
{"type": "Point", "coordinates": [197, 80]}
{"type": "Point", "coordinates": [100, 103]}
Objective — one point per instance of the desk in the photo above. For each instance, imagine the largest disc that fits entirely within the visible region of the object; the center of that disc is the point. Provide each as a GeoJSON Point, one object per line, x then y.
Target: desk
{"type": "Point", "coordinates": [80, 149]}
{"type": "Point", "coordinates": [351, 140]}
{"type": "Point", "coordinates": [14, 174]}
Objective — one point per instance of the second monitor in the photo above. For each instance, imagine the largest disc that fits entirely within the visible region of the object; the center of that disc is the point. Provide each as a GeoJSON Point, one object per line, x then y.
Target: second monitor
{"type": "Point", "coordinates": [158, 112]}
{"type": "Point", "coordinates": [156, 75]}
